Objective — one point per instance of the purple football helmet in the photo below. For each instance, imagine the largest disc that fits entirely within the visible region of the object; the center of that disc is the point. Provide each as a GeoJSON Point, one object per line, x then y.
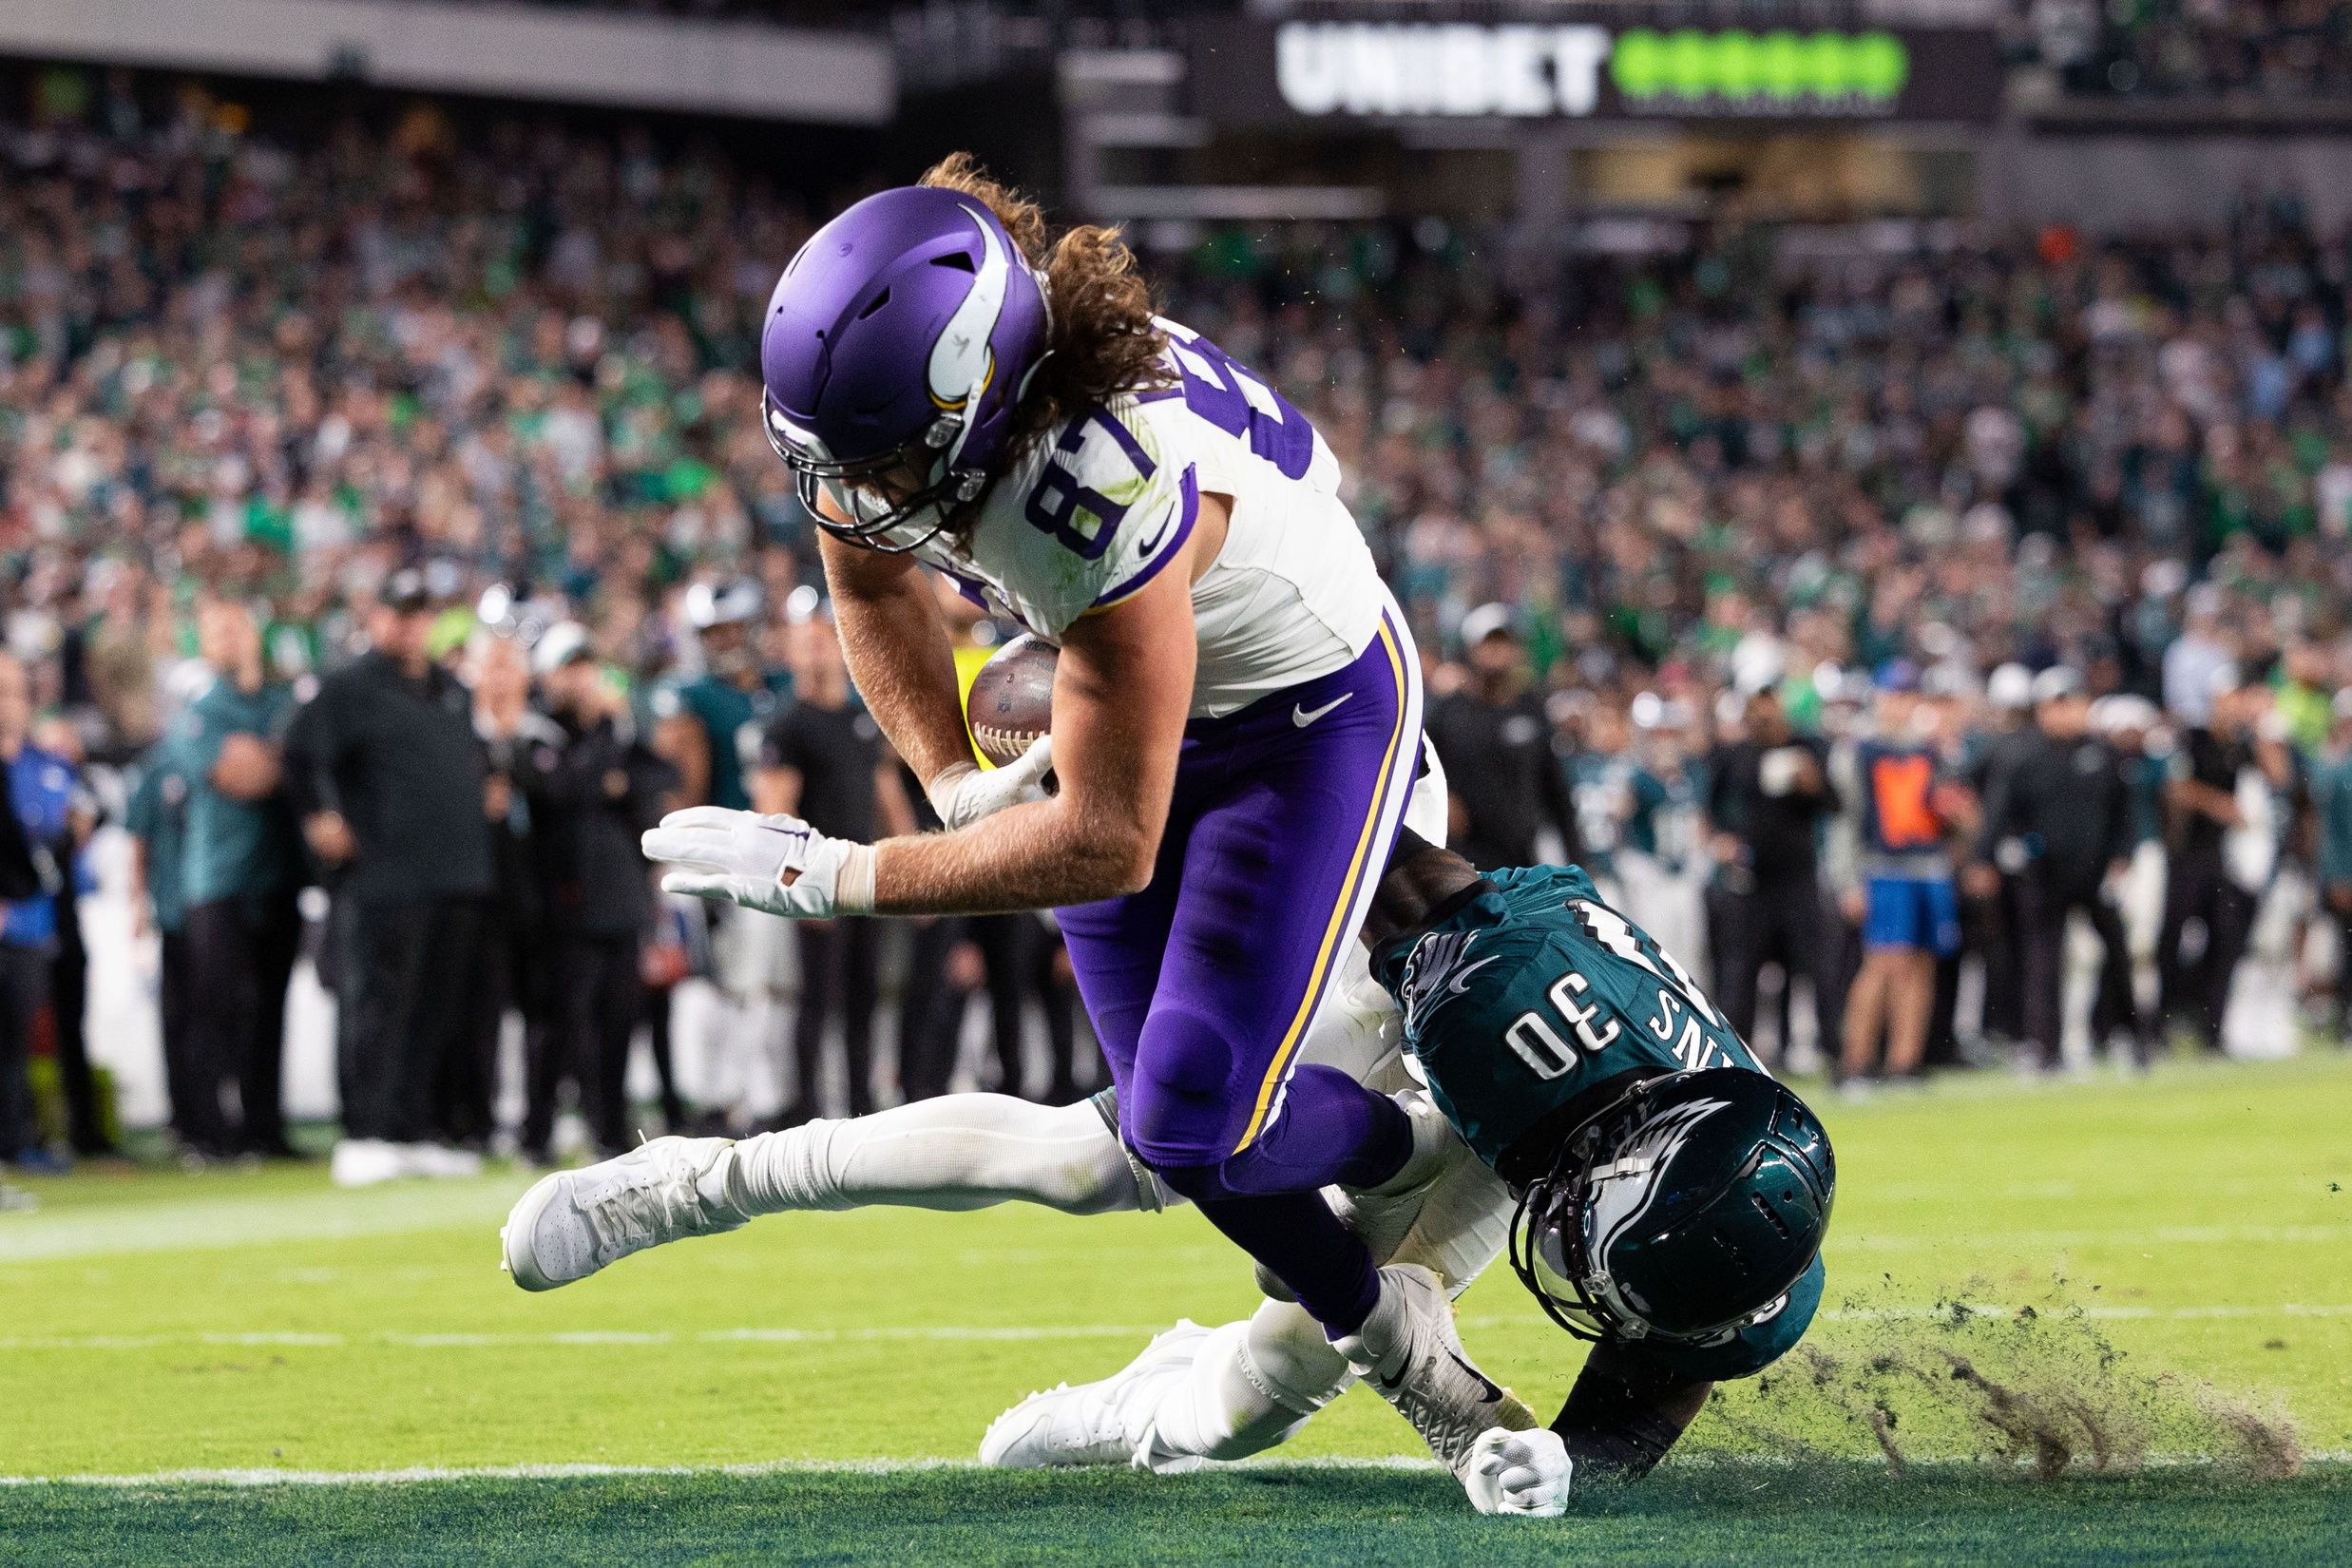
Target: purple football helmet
{"type": "Point", "coordinates": [897, 345]}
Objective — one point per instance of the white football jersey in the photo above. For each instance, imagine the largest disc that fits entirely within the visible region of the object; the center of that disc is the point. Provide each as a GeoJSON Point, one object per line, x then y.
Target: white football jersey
{"type": "Point", "coordinates": [1098, 504]}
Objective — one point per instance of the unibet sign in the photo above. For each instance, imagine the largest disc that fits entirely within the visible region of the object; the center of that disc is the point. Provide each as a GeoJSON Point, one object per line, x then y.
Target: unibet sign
{"type": "Point", "coordinates": [1410, 70]}
{"type": "Point", "coordinates": [1377, 67]}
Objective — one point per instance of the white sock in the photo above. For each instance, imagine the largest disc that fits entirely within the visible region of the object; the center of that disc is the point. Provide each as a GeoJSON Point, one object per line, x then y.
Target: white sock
{"type": "Point", "coordinates": [956, 1152]}
{"type": "Point", "coordinates": [1252, 1385]}
{"type": "Point", "coordinates": [1380, 1343]}
{"type": "Point", "coordinates": [1432, 1142]}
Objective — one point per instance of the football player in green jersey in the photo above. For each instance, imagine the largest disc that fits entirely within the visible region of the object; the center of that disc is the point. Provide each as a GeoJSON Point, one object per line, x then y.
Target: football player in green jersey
{"type": "Point", "coordinates": [1577, 1098]}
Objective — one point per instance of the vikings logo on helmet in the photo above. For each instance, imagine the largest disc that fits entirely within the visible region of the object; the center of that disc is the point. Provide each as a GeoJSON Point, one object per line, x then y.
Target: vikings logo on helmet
{"type": "Point", "coordinates": [898, 344]}
{"type": "Point", "coordinates": [961, 361]}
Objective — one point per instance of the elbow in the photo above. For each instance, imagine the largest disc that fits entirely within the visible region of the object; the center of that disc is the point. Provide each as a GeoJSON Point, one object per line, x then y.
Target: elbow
{"type": "Point", "coordinates": [1119, 862]}
{"type": "Point", "coordinates": [1133, 876]}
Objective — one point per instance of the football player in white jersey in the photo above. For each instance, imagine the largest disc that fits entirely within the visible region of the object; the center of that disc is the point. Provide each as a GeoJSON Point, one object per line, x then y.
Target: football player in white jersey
{"type": "Point", "coordinates": [1236, 709]}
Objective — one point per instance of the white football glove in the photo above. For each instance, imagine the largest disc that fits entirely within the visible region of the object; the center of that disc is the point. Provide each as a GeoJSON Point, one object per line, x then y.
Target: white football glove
{"type": "Point", "coordinates": [776, 864]}
{"type": "Point", "coordinates": [962, 793]}
{"type": "Point", "coordinates": [1519, 1473]}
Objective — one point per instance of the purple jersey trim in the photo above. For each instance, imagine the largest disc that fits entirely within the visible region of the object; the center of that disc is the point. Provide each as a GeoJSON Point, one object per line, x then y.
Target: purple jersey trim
{"type": "Point", "coordinates": [1188, 512]}
{"type": "Point", "coordinates": [1075, 437]}
{"type": "Point", "coordinates": [969, 587]}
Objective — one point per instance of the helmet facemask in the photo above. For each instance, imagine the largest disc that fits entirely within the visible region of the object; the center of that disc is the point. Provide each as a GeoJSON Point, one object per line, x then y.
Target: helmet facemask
{"type": "Point", "coordinates": [892, 504]}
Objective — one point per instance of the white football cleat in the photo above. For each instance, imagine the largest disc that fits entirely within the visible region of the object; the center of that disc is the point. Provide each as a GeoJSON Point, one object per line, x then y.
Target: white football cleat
{"type": "Point", "coordinates": [572, 1223]}
{"type": "Point", "coordinates": [1095, 1423]}
{"type": "Point", "coordinates": [1411, 1355]}
{"type": "Point", "coordinates": [365, 1161]}
{"type": "Point", "coordinates": [441, 1160]}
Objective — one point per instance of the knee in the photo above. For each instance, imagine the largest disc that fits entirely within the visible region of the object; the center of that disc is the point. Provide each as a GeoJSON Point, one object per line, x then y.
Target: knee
{"type": "Point", "coordinates": [1184, 1107]}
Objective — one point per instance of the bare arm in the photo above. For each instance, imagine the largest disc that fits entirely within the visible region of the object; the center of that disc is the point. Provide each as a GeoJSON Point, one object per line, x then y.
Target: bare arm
{"type": "Point", "coordinates": [776, 790]}
{"type": "Point", "coordinates": [893, 810]}
{"type": "Point", "coordinates": [1121, 691]}
{"type": "Point", "coordinates": [2209, 800]}
{"type": "Point", "coordinates": [139, 901]}
{"type": "Point", "coordinates": [679, 741]}
{"type": "Point", "coordinates": [898, 653]}
{"type": "Point", "coordinates": [1625, 1412]}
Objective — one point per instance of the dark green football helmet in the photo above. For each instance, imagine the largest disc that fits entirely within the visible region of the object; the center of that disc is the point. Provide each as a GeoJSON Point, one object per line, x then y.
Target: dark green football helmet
{"type": "Point", "coordinates": [1682, 1211]}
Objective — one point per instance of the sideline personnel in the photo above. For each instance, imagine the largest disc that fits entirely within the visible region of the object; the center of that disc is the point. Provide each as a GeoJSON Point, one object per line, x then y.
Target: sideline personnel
{"type": "Point", "coordinates": [394, 793]}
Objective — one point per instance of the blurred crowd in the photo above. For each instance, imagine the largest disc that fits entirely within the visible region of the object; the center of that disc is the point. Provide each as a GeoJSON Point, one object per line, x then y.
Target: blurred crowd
{"type": "Point", "coordinates": [385, 511]}
{"type": "Point", "coordinates": [2282, 51]}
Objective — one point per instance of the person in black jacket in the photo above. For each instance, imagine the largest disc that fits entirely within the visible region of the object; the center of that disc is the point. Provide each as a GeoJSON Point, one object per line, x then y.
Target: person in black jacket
{"type": "Point", "coordinates": [1767, 797]}
{"type": "Point", "coordinates": [1495, 740]}
{"type": "Point", "coordinates": [592, 788]}
{"type": "Point", "coordinates": [2059, 825]}
{"type": "Point", "coordinates": [2220, 768]}
{"type": "Point", "coordinates": [396, 800]}
{"type": "Point", "coordinates": [1989, 922]}
{"type": "Point", "coordinates": [517, 971]}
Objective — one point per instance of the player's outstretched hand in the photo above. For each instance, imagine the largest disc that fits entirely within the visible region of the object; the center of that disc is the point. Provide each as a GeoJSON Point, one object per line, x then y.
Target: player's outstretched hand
{"type": "Point", "coordinates": [1519, 1473]}
{"type": "Point", "coordinates": [962, 793]}
{"type": "Point", "coordinates": [776, 864]}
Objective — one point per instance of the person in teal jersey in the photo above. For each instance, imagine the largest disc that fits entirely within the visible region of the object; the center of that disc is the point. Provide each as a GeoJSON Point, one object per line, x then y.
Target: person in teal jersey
{"type": "Point", "coordinates": [155, 816]}
{"type": "Point", "coordinates": [2130, 725]}
{"type": "Point", "coordinates": [710, 728]}
{"type": "Point", "coordinates": [1574, 993]}
{"type": "Point", "coordinates": [1617, 798]}
{"type": "Point", "coordinates": [243, 869]}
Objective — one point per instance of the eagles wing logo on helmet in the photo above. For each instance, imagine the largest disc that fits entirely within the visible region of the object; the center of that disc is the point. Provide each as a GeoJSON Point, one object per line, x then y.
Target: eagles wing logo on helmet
{"type": "Point", "coordinates": [1623, 1189]}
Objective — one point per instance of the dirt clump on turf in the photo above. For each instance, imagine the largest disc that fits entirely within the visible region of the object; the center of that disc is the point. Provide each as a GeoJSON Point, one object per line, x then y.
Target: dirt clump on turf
{"type": "Point", "coordinates": [2035, 1387]}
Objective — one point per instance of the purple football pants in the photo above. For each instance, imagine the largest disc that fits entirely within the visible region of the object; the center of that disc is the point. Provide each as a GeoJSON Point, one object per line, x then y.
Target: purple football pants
{"type": "Point", "coordinates": [1202, 986]}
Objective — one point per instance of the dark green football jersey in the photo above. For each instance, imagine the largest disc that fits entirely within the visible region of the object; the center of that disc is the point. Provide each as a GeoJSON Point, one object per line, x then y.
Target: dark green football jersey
{"type": "Point", "coordinates": [1527, 996]}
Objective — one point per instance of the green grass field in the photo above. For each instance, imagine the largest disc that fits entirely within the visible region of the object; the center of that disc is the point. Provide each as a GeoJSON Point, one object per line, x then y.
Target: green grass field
{"type": "Point", "coordinates": [2152, 1276]}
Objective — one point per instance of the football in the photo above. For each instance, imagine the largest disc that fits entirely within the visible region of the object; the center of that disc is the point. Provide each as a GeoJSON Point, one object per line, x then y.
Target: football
{"type": "Point", "coordinates": [1012, 699]}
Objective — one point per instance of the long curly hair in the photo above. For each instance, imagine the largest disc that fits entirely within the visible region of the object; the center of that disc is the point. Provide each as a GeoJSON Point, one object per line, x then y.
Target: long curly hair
{"type": "Point", "coordinates": [1104, 341]}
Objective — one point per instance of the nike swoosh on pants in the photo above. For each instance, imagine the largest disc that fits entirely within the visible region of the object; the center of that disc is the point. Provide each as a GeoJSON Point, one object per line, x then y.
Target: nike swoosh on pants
{"type": "Point", "coordinates": [1303, 716]}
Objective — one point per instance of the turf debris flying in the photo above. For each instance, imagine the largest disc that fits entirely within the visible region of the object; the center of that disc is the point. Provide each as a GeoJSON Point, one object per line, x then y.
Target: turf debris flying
{"type": "Point", "coordinates": [2035, 1387]}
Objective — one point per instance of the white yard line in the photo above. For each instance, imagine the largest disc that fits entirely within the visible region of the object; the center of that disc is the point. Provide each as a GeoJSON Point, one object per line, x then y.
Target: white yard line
{"type": "Point", "coordinates": [952, 1334]}
{"type": "Point", "coordinates": [940, 1334]}
{"type": "Point", "coordinates": [2010, 1242]}
{"type": "Point", "coordinates": [229, 1218]}
{"type": "Point", "coordinates": [2104, 1314]}
{"type": "Point", "coordinates": [328, 1215]}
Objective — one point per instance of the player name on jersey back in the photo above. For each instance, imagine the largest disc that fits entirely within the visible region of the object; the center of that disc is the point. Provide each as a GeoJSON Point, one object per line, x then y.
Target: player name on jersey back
{"type": "Point", "coordinates": [1572, 991]}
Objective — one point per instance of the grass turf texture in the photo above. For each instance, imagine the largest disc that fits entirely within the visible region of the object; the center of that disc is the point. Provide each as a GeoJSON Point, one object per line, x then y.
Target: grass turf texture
{"type": "Point", "coordinates": [2188, 1229]}
{"type": "Point", "coordinates": [1252, 1516]}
